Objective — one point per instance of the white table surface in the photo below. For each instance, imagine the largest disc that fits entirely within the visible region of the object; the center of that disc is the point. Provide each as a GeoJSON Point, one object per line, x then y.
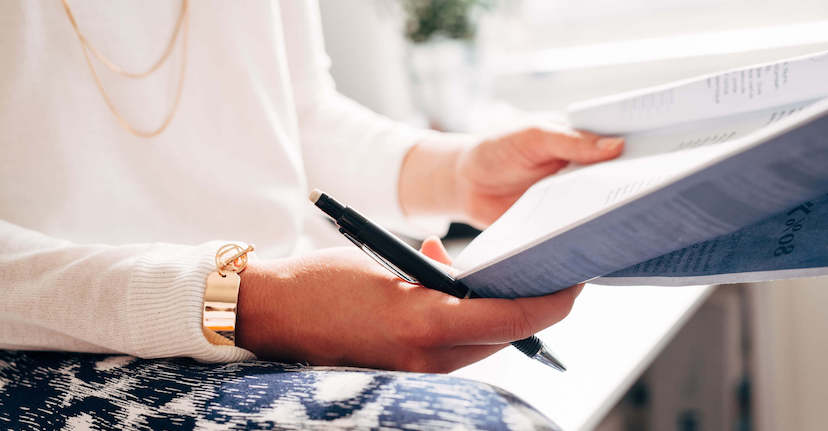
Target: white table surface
{"type": "Point", "coordinates": [609, 339]}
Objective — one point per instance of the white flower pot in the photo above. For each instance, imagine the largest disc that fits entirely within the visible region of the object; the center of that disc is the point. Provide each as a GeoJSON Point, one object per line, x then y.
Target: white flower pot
{"type": "Point", "coordinates": [444, 81]}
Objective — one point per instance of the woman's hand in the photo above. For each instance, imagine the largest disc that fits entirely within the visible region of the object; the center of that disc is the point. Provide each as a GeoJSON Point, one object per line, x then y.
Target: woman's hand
{"type": "Point", "coordinates": [339, 307]}
{"type": "Point", "coordinates": [477, 183]}
{"type": "Point", "coordinates": [491, 176]}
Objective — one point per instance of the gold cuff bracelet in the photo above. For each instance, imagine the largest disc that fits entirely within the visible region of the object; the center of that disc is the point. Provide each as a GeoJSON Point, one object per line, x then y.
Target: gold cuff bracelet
{"type": "Point", "coordinates": [222, 293]}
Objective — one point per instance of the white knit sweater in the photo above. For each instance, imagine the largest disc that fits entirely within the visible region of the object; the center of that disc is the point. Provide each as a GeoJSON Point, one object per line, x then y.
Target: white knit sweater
{"type": "Point", "coordinates": [106, 239]}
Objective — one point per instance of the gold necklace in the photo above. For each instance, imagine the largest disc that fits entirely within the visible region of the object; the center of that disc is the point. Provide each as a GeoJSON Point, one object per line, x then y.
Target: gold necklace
{"type": "Point", "coordinates": [183, 22]}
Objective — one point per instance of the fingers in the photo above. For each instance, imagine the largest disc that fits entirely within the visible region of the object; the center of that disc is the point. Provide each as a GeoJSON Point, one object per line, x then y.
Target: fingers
{"type": "Point", "coordinates": [494, 321]}
{"type": "Point", "coordinates": [460, 356]}
{"type": "Point", "coordinates": [444, 360]}
{"type": "Point", "coordinates": [542, 146]}
{"type": "Point", "coordinates": [460, 332]}
{"type": "Point", "coordinates": [433, 248]}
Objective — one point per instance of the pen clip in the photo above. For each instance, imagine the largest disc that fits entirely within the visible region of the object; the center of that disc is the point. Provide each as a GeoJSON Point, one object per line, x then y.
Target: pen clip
{"type": "Point", "coordinates": [380, 260]}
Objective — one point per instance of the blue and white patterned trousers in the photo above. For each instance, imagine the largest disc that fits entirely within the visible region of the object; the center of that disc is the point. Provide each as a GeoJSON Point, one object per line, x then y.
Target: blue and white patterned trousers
{"type": "Point", "coordinates": [48, 390]}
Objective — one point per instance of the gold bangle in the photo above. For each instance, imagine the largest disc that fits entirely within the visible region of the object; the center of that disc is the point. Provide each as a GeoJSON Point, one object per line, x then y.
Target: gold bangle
{"type": "Point", "coordinates": [222, 293]}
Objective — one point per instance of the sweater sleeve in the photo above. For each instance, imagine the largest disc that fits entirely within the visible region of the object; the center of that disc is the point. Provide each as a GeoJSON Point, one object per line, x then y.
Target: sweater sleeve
{"type": "Point", "coordinates": [143, 300]}
{"type": "Point", "coordinates": [349, 151]}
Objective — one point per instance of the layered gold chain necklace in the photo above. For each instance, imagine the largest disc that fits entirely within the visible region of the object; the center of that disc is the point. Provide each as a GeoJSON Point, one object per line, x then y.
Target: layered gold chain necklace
{"type": "Point", "coordinates": [181, 29]}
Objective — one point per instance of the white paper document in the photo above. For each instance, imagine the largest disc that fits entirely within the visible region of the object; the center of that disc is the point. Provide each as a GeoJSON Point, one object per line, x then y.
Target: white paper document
{"type": "Point", "coordinates": [727, 198]}
{"type": "Point", "coordinates": [731, 92]}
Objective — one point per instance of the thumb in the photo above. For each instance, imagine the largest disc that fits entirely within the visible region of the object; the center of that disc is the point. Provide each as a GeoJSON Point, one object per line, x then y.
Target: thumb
{"type": "Point", "coordinates": [433, 248]}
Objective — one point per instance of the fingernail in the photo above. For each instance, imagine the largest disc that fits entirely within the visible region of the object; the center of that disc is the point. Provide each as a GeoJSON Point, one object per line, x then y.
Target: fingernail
{"type": "Point", "coordinates": [609, 143]}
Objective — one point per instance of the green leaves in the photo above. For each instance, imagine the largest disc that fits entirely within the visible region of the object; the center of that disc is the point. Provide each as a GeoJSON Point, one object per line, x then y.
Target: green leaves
{"type": "Point", "coordinates": [454, 19]}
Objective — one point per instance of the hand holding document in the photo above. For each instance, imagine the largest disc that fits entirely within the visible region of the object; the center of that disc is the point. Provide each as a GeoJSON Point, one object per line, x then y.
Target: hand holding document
{"type": "Point", "coordinates": [724, 179]}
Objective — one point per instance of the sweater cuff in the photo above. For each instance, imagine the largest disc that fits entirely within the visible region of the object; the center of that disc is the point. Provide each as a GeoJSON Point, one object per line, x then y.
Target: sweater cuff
{"type": "Point", "coordinates": [390, 157]}
{"type": "Point", "coordinates": [165, 300]}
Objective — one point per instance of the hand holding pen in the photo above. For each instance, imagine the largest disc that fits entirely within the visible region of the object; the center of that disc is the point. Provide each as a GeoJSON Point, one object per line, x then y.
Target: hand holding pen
{"type": "Point", "coordinates": [336, 306]}
{"type": "Point", "coordinates": [411, 266]}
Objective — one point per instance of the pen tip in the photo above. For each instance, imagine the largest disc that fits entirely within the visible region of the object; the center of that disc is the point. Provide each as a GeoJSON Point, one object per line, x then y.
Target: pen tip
{"type": "Point", "coordinates": [315, 195]}
{"type": "Point", "coordinates": [545, 356]}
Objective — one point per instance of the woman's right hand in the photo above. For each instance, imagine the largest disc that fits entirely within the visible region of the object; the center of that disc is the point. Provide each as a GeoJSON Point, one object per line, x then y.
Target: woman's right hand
{"type": "Point", "coordinates": [338, 307]}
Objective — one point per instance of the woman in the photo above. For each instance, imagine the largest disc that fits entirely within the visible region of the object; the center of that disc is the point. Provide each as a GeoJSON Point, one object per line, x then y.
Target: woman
{"type": "Point", "coordinates": [258, 123]}
{"type": "Point", "coordinates": [120, 180]}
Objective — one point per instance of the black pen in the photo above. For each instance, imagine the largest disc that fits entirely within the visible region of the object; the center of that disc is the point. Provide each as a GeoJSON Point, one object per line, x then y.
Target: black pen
{"type": "Point", "coordinates": [410, 265]}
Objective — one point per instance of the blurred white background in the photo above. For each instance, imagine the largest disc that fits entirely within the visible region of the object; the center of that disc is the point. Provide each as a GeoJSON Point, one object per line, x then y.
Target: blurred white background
{"type": "Point", "coordinates": [543, 55]}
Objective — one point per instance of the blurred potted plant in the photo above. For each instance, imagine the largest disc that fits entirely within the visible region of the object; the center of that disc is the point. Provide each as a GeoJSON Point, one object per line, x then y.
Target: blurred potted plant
{"type": "Point", "coordinates": [442, 58]}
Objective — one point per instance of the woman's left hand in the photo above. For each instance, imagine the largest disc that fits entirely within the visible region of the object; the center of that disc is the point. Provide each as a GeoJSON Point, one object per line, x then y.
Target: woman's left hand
{"type": "Point", "coordinates": [492, 175]}
{"type": "Point", "coordinates": [477, 183]}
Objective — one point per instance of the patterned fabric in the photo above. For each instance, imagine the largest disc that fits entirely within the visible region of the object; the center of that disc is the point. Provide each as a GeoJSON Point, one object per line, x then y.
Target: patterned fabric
{"type": "Point", "coordinates": [47, 390]}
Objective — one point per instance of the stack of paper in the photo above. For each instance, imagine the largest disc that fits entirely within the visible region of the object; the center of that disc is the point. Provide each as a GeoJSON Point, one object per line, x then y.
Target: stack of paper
{"type": "Point", "coordinates": [724, 179]}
